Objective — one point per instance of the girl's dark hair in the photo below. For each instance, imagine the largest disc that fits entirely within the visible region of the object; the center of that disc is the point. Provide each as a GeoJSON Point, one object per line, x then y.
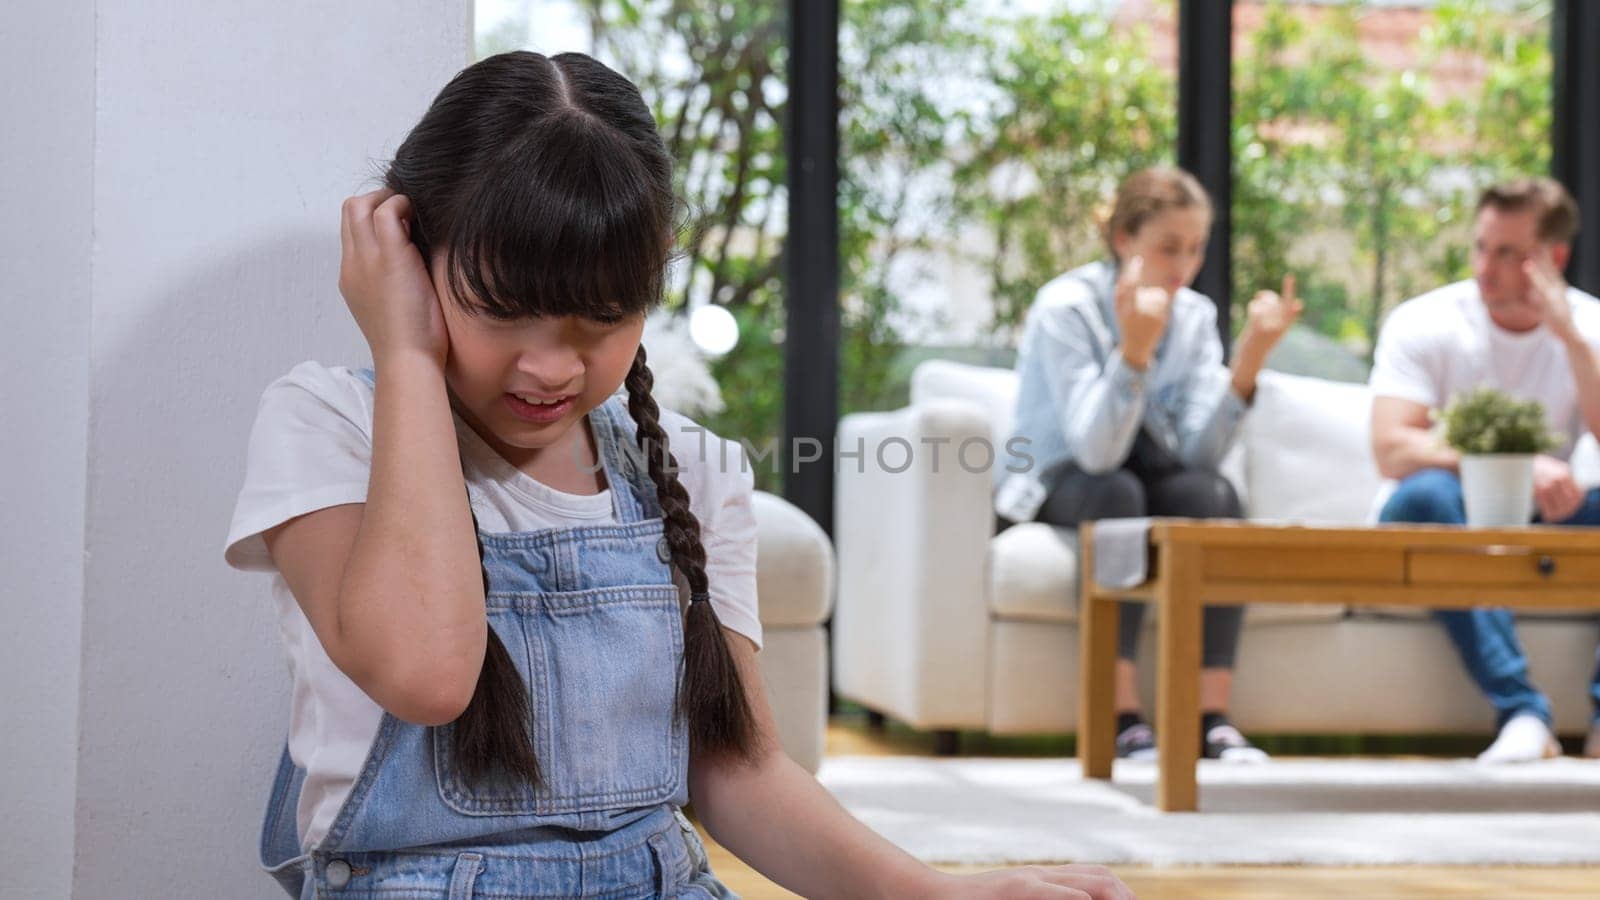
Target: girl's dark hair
{"type": "Point", "coordinates": [543, 188]}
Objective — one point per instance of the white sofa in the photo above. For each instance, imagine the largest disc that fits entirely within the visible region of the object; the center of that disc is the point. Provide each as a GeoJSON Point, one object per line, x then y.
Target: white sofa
{"type": "Point", "coordinates": [945, 626]}
{"type": "Point", "coordinates": [794, 581]}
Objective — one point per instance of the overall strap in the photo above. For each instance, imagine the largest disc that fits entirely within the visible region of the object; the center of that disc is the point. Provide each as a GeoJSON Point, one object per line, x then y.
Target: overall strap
{"type": "Point", "coordinates": [627, 473]}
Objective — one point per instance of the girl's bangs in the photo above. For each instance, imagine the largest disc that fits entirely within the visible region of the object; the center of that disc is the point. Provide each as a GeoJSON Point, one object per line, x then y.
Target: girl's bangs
{"type": "Point", "coordinates": [562, 224]}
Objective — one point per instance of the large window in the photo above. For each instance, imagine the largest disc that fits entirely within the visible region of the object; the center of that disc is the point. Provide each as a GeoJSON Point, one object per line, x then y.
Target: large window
{"type": "Point", "coordinates": [979, 143]}
{"type": "Point", "coordinates": [1362, 134]}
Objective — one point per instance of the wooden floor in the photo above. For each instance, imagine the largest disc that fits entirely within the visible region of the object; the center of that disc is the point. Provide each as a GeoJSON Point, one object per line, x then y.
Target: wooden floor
{"type": "Point", "coordinates": [851, 736]}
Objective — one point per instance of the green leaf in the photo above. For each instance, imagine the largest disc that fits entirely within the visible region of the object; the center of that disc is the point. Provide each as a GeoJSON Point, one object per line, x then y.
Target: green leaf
{"type": "Point", "coordinates": [1490, 421]}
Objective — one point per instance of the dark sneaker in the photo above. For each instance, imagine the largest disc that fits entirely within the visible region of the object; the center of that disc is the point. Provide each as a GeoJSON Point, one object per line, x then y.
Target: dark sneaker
{"type": "Point", "coordinates": [1137, 741]}
{"type": "Point", "coordinates": [1226, 743]}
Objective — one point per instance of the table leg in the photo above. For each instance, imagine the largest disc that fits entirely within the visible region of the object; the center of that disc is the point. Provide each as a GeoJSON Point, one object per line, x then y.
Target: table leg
{"type": "Point", "coordinates": [1097, 631]}
{"type": "Point", "coordinates": [1178, 678]}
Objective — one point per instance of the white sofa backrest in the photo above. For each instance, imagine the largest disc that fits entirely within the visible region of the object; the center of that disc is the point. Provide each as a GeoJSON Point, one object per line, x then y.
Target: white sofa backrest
{"type": "Point", "coordinates": [1308, 451]}
{"type": "Point", "coordinates": [1305, 445]}
{"type": "Point", "coordinates": [994, 390]}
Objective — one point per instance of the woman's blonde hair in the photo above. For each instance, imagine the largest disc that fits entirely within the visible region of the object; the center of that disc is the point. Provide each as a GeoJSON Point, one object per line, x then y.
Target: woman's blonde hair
{"type": "Point", "coordinates": [1148, 193]}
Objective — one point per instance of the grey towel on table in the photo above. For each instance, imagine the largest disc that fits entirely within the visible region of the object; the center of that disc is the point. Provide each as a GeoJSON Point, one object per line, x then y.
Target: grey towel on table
{"type": "Point", "coordinates": [1121, 552]}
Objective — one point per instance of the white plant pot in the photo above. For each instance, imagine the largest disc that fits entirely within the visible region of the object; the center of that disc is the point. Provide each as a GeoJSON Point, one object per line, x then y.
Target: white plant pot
{"type": "Point", "coordinates": [1498, 489]}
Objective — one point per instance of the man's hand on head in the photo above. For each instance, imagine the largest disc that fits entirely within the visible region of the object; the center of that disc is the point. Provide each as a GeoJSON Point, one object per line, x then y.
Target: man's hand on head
{"type": "Point", "coordinates": [1547, 290]}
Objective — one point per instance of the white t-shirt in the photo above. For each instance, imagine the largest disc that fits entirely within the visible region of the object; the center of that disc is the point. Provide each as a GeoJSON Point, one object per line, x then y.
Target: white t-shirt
{"type": "Point", "coordinates": [311, 448]}
{"type": "Point", "coordinates": [1443, 343]}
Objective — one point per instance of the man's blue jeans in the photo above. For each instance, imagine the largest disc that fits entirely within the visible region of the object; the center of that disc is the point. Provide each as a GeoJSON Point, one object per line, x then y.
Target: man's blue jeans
{"type": "Point", "coordinates": [1485, 638]}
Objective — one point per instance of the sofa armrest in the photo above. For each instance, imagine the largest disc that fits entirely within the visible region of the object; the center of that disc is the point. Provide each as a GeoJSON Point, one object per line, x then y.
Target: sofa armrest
{"type": "Point", "coordinates": [794, 564]}
{"type": "Point", "coordinates": [794, 581]}
{"type": "Point", "coordinates": [912, 522]}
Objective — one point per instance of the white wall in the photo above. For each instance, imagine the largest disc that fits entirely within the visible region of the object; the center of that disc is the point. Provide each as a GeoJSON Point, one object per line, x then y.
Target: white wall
{"type": "Point", "coordinates": [171, 245]}
{"type": "Point", "coordinates": [46, 146]}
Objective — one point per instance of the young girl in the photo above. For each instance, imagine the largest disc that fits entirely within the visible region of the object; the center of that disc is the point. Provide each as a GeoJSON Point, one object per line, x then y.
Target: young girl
{"type": "Point", "coordinates": [1129, 410]}
{"type": "Point", "coordinates": [520, 638]}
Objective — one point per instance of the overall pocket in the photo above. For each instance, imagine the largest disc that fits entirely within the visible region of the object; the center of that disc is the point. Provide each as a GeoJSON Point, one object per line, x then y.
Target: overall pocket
{"type": "Point", "coordinates": [602, 669]}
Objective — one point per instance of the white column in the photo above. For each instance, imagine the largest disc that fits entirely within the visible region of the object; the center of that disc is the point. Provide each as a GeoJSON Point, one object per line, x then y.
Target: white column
{"type": "Point", "coordinates": [172, 184]}
{"type": "Point", "coordinates": [46, 236]}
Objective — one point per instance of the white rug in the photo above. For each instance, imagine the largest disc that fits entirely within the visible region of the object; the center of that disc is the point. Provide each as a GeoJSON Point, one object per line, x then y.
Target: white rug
{"type": "Point", "coordinates": [1320, 812]}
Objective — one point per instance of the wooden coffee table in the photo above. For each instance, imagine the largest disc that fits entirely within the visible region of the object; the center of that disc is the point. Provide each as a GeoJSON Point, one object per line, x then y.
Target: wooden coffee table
{"type": "Point", "coordinates": [1195, 563]}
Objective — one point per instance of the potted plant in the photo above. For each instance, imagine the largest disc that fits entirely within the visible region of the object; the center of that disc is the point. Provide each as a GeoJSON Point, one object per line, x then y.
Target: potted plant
{"type": "Point", "coordinates": [1497, 437]}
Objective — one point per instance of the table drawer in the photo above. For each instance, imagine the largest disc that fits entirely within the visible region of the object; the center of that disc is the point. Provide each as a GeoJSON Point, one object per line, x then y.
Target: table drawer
{"type": "Point", "coordinates": [1381, 566]}
{"type": "Point", "coordinates": [1502, 566]}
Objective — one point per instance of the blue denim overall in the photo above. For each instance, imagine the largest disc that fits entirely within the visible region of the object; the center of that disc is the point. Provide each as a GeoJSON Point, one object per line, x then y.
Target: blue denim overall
{"type": "Point", "coordinates": [592, 619]}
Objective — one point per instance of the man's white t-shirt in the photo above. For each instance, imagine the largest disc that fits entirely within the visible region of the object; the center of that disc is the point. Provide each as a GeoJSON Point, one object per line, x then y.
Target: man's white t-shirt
{"type": "Point", "coordinates": [1443, 343]}
{"type": "Point", "coordinates": [311, 448]}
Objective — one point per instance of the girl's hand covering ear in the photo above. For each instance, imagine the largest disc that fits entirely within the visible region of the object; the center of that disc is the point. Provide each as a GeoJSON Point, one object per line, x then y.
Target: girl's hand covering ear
{"type": "Point", "coordinates": [385, 281]}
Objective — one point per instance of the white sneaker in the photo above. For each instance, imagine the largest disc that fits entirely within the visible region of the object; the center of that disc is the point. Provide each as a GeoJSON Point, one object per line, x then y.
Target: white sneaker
{"type": "Point", "coordinates": [1524, 738]}
{"type": "Point", "coordinates": [1137, 742]}
{"type": "Point", "coordinates": [1228, 744]}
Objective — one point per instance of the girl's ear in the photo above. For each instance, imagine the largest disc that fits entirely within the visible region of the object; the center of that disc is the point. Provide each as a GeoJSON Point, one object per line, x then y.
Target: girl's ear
{"type": "Point", "coordinates": [438, 273]}
{"type": "Point", "coordinates": [1122, 242]}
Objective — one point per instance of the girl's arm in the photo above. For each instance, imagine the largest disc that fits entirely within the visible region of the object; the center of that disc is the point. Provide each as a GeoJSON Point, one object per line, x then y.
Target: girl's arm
{"type": "Point", "coordinates": [1099, 405]}
{"type": "Point", "coordinates": [1207, 411]}
{"type": "Point", "coordinates": [773, 815]}
{"type": "Point", "coordinates": [1217, 397]}
{"type": "Point", "coordinates": [1269, 317]}
{"type": "Point", "coordinates": [393, 587]}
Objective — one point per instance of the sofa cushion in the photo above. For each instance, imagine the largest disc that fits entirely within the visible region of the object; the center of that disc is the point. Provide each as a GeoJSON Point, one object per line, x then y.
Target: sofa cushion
{"type": "Point", "coordinates": [794, 569]}
{"type": "Point", "coordinates": [1032, 575]}
{"type": "Point", "coordinates": [1308, 457]}
{"type": "Point", "coordinates": [1304, 452]}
